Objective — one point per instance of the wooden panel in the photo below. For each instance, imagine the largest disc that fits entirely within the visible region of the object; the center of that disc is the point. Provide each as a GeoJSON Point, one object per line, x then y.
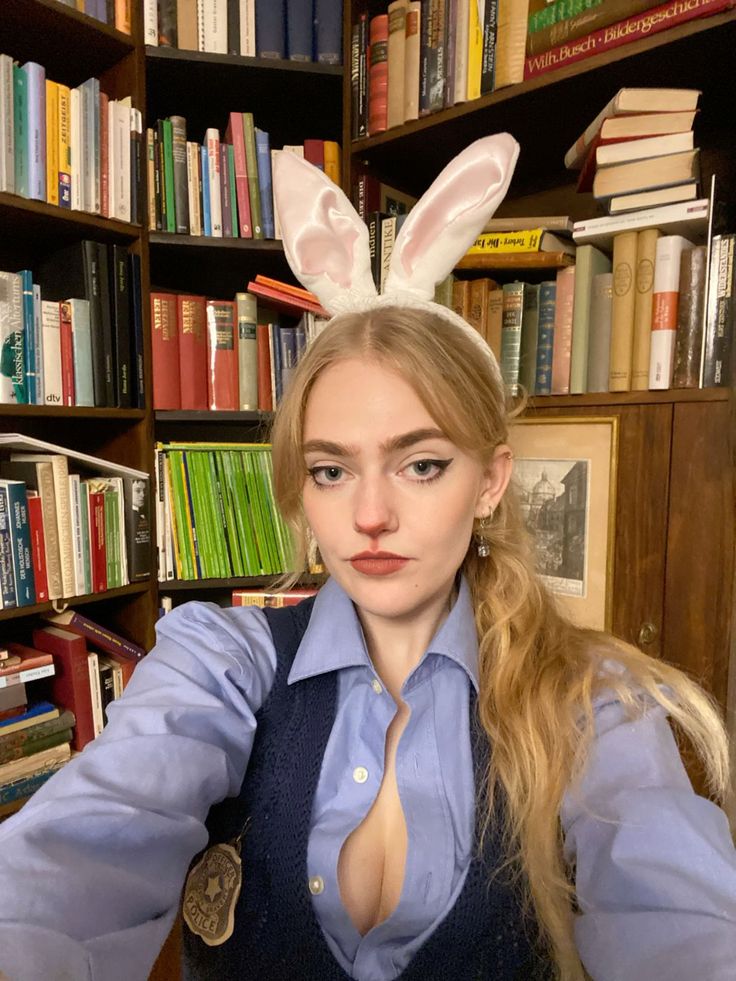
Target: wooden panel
{"type": "Point", "coordinates": [641, 515]}
{"type": "Point", "coordinates": [700, 547]}
{"type": "Point", "coordinates": [168, 964]}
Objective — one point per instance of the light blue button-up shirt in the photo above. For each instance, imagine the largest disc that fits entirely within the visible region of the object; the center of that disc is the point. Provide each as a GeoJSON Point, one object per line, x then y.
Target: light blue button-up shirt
{"type": "Point", "coordinates": [92, 868]}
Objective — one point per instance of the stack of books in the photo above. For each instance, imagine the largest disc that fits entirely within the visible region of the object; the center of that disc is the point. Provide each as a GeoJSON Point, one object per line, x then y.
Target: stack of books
{"type": "Point", "coordinates": [639, 151]}
{"type": "Point", "coordinates": [74, 328]}
{"type": "Point", "coordinates": [73, 147]}
{"type": "Point", "coordinates": [230, 355]}
{"type": "Point", "coordinates": [262, 28]}
{"type": "Point", "coordinates": [117, 14]}
{"type": "Point", "coordinates": [216, 513]}
{"type": "Point", "coordinates": [263, 598]}
{"type": "Point", "coordinates": [221, 187]}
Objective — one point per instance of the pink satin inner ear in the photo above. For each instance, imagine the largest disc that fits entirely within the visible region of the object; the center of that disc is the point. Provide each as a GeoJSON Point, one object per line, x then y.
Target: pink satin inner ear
{"type": "Point", "coordinates": [324, 244]}
{"type": "Point", "coordinates": [457, 193]}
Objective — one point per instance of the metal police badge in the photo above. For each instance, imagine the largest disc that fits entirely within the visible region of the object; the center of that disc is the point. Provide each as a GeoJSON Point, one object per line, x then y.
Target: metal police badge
{"type": "Point", "coordinates": [211, 893]}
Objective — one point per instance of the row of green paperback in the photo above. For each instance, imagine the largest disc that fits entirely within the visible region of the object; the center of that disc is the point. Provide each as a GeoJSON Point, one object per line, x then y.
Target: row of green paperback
{"type": "Point", "coordinates": [216, 513]}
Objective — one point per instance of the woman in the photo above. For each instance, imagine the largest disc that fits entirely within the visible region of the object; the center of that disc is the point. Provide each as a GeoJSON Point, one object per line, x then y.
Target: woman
{"type": "Point", "coordinates": [430, 773]}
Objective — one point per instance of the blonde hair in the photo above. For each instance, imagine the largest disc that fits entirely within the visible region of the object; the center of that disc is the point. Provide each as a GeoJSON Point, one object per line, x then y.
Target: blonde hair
{"type": "Point", "coordinates": [538, 672]}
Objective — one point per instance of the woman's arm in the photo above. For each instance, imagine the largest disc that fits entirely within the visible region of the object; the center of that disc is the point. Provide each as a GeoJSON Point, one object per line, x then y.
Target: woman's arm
{"type": "Point", "coordinates": [92, 867]}
{"type": "Point", "coordinates": [655, 863]}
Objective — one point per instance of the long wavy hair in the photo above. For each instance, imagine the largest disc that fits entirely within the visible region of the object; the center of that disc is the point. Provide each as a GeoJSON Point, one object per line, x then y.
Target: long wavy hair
{"type": "Point", "coordinates": [539, 673]}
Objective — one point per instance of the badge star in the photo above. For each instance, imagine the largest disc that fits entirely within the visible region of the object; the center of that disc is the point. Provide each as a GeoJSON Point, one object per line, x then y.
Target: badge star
{"type": "Point", "coordinates": [213, 887]}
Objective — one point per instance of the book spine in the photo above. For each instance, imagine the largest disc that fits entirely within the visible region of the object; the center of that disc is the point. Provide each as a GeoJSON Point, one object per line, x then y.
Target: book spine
{"type": "Point", "coordinates": [25, 593]}
{"type": "Point", "coordinates": [299, 19]}
{"type": "Point", "coordinates": [138, 338]}
{"type": "Point", "coordinates": [76, 518]}
{"type": "Point", "coordinates": [719, 329]}
{"type": "Point", "coordinates": [165, 352]}
{"type": "Point", "coordinates": [51, 327]}
{"type": "Point", "coordinates": [24, 677]}
{"type": "Point", "coordinates": [150, 22]}
{"type": "Point", "coordinates": [412, 54]}
{"type": "Point", "coordinates": [600, 332]}
{"type": "Point", "coordinates": [36, 130]}
{"type": "Point", "coordinates": [222, 377]}
{"type": "Point", "coordinates": [646, 253]}
{"type": "Point", "coordinates": [20, 124]}
{"type": "Point", "coordinates": [354, 81]}
{"type": "Point", "coordinates": [237, 136]}
{"type": "Point", "coordinates": [328, 31]}
{"type": "Point", "coordinates": [86, 538]}
{"type": "Point", "coordinates": [545, 337]}
{"type": "Point", "coordinates": [233, 27]}
{"type": "Point", "coordinates": [254, 192]}
{"type": "Point", "coordinates": [26, 786]}
{"type": "Point", "coordinates": [665, 297]}
{"type": "Point", "coordinates": [586, 21]}
{"type": "Point", "coordinates": [7, 575]}
{"type": "Point", "coordinates": [169, 186]}
{"type": "Point", "coordinates": [247, 313]}
{"type": "Point", "coordinates": [93, 667]}
{"type": "Point", "coordinates": [270, 30]}
{"type": "Point", "coordinates": [52, 142]}
{"type": "Point", "coordinates": [67, 353]}
{"type": "Point", "coordinates": [488, 64]}
{"type": "Point", "coordinates": [187, 25]}
{"type": "Point", "coordinates": [227, 211]}
{"type": "Point", "coordinates": [97, 541]}
{"type": "Point", "coordinates": [105, 639]}
{"type": "Point", "coordinates": [265, 394]}
{"type": "Point", "coordinates": [7, 126]}
{"type": "Point", "coordinates": [192, 331]}
{"type": "Point", "coordinates": [475, 49]}
{"type": "Point", "coordinates": [212, 138]}
{"type": "Point", "coordinates": [660, 18]}
{"type": "Point", "coordinates": [622, 324]}
{"type": "Point", "coordinates": [28, 339]}
{"type": "Point", "coordinates": [378, 76]}
{"type": "Point", "coordinates": [363, 26]}
{"type": "Point", "coordinates": [205, 176]}
{"type": "Point", "coordinates": [10, 751]}
{"type": "Point", "coordinates": [65, 147]}
{"type": "Point", "coordinates": [104, 157]}
{"type": "Point", "coordinates": [529, 338]}
{"type": "Point", "coordinates": [248, 28]}
{"type": "Point", "coordinates": [562, 347]}
{"type": "Point", "coordinates": [81, 353]}
{"type": "Point", "coordinates": [120, 293]}
{"type": "Point", "coordinates": [179, 173]}
{"type": "Point", "coordinates": [689, 338]}
{"type": "Point", "coordinates": [513, 302]}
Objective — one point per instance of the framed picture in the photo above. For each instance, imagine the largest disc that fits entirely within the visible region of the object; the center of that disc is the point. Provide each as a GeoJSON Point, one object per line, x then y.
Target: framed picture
{"type": "Point", "coordinates": [565, 474]}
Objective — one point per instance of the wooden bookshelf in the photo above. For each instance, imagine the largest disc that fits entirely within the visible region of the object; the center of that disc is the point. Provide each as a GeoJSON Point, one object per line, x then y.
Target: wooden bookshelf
{"type": "Point", "coordinates": [131, 589]}
{"type": "Point", "coordinates": [258, 247]}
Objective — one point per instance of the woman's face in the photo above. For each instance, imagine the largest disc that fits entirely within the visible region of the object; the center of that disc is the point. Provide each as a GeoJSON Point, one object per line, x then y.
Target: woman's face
{"type": "Point", "coordinates": [390, 499]}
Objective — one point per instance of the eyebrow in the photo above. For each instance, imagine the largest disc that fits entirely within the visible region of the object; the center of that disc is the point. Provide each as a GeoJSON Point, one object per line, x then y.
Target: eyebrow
{"type": "Point", "coordinates": [391, 445]}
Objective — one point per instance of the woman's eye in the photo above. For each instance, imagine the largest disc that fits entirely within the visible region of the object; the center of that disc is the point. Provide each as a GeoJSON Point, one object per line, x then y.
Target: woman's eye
{"type": "Point", "coordinates": [428, 469]}
{"type": "Point", "coordinates": [323, 476]}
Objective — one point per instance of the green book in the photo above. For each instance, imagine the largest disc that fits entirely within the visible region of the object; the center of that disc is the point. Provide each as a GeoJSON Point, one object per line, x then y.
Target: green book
{"type": "Point", "coordinates": [20, 126]}
{"type": "Point", "coordinates": [169, 182]}
{"type": "Point", "coordinates": [254, 188]}
{"type": "Point", "coordinates": [256, 514]}
{"type": "Point", "coordinates": [112, 539]}
{"type": "Point", "coordinates": [513, 305]}
{"type": "Point", "coordinates": [86, 553]}
{"type": "Point", "coordinates": [199, 511]}
{"type": "Point", "coordinates": [589, 262]}
{"type": "Point", "coordinates": [226, 504]}
{"type": "Point", "coordinates": [233, 190]}
{"type": "Point", "coordinates": [223, 545]}
{"type": "Point", "coordinates": [529, 333]}
{"type": "Point", "coordinates": [181, 524]}
{"type": "Point", "coordinates": [246, 532]}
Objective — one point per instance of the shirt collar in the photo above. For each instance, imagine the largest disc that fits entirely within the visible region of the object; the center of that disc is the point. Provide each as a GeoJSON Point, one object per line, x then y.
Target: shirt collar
{"type": "Point", "coordinates": [334, 637]}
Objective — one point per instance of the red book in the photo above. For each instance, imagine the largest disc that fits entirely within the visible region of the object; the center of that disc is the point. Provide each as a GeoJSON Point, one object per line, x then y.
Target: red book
{"type": "Point", "coordinates": [104, 156]}
{"type": "Point", "coordinates": [165, 351]}
{"type": "Point", "coordinates": [378, 76]}
{"type": "Point", "coordinates": [265, 395]}
{"type": "Point", "coordinates": [97, 541]}
{"type": "Point", "coordinates": [222, 355]}
{"type": "Point", "coordinates": [67, 354]}
{"type": "Point", "coordinates": [285, 301]}
{"type": "Point", "coordinates": [102, 637]}
{"type": "Point", "coordinates": [38, 547]}
{"type": "Point", "coordinates": [314, 152]}
{"type": "Point", "coordinates": [296, 291]}
{"type": "Point", "coordinates": [235, 135]}
{"type": "Point", "coordinates": [70, 685]}
{"type": "Point", "coordinates": [191, 317]}
{"type": "Point", "coordinates": [650, 22]}
{"type": "Point", "coordinates": [29, 658]}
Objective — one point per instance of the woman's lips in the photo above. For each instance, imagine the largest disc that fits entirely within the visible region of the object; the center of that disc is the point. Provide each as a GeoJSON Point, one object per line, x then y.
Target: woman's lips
{"type": "Point", "coordinates": [378, 565]}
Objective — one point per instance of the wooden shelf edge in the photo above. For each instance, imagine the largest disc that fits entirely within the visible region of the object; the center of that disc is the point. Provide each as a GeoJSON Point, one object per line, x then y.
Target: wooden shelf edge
{"type": "Point", "coordinates": [172, 240]}
{"type": "Point", "coordinates": [210, 415]}
{"type": "Point", "coordinates": [81, 219]}
{"type": "Point", "coordinates": [546, 80]}
{"type": "Point", "coordinates": [69, 411]}
{"type": "Point", "coordinates": [614, 399]}
{"type": "Point", "coordinates": [248, 582]}
{"type": "Point", "coordinates": [164, 54]}
{"type": "Point", "coordinates": [60, 10]}
{"type": "Point", "coordinates": [131, 589]}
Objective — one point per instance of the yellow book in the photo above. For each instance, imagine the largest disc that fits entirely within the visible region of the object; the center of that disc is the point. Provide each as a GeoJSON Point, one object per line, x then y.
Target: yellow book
{"type": "Point", "coordinates": [524, 241]}
{"type": "Point", "coordinates": [52, 142]}
{"type": "Point", "coordinates": [475, 48]}
{"type": "Point", "coordinates": [646, 249]}
{"type": "Point", "coordinates": [622, 314]}
{"type": "Point", "coordinates": [332, 161]}
{"type": "Point", "coordinates": [64, 130]}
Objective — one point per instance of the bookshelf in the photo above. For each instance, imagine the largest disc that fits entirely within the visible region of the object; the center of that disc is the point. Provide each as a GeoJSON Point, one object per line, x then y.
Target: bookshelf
{"type": "Point", "coordinates": [674, 547]}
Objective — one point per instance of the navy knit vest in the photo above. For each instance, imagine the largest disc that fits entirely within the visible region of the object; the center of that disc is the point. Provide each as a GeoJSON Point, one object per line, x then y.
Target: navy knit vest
{"type": "Point", "coordinates": [277, 937]}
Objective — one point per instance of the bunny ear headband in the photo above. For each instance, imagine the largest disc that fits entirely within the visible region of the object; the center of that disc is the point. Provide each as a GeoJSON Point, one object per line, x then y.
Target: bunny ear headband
{"type": "Point", "coordinates": [326, 243]}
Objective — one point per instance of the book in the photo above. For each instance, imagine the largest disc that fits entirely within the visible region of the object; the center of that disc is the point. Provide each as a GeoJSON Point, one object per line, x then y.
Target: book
{"type": "Point", "coordinates": [39, 478]}
{"type": "Point", "coordinates": [646, 253]}
{"type": "Point", "coordinates": [665, 297]}
{"type": "Point", "coordinates": [581, 21]}
{"type": "Point", "coordinates": [553, 223]}
{"type": "Point", "coordinates": [513, 305]}
{"type": "Point", "coordinates": [529, 338]}
{"type": "Point", "coordinates": [328, 31]}
{"type": "Point", "coordinates": [24, 787]}
{"type": "Point", "coordinates": [599, 343]}
{"type": "Point", "coordinates": [718, 335]}
{"type": "Point", "coordinates": [165, 352]}
{"type": "Point", "coordinates": [647, 24]}
{"type": "Point", "coordinates": [690, 310]}
{"type": "Point", "coordinates": [12, 379]}
{"type": "Point", "coordinates": [688, 218]}
{"type": "Point", "coordinates": [510, 41]}
{"type": "Point", "coordinates": [7, 574]}
{"type": "Point", "coordinates": [517, 260]}
{"type": "Point", "coordinates": [254, 189]}
{"type": "Point", "coordinates": [263, 598]}
{"type": "Point", "coordinates": [101, 637]}
{"type": "Point", "coordinates": [20, 538]}
{"type": "Point", "coordinates": [191, 327]}
{"type": "Point", "coordinates": [652, 199]}
{"type": "Point", "coordinates": [520, 241]}
{"type": "Point", "coordinates": [412, 38]}
{"type": "Point", "coordinates": [40, 712]}
{"type": "Point", "coordinates": [605, 153]}
{"type": "Point", "coordinates": [15, 746]}
{"type": "Point", "coordinates": [71, 683]}
{"type": "Point", "coordinates": [589, 263]}
{"type": "Point", "coordinates": [642, 175]}
{"type": "Point", "coordinates": [622, 314]}
{"type": "Point", "coordinates": [378, 75]}
{"type": "Point", "coordinates": [397, 13]}
{"type": "Point", "coordinates": [562, 344]}
{"type": "Point", "coordinates": [246, 308]}
{"type": "Point", "coordinates": [33, 666]}
{"type": "Point", "coordinates": [642, 103]}
{"type": "Point", "coordinates": [38, 548]}
{"type": "Point", "coordinates": [222, 355]}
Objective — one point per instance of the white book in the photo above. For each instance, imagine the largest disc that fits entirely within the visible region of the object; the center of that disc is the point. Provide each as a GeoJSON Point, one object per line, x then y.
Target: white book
{"type": "Point", "coordinates": [248, 28]}
{"type": "Point", "coordinates": [51, 332]}
{"type": "Point", "coordinates": [98, 719]}
{"type": "Point", "coordinates": [38, 338]}
{"type": "Point", "coordinates": [111, 158]}
{"type": "Point", "coordinates": [76, 150]}
{"type": "Point", "coordinates": [412, 52]}
{"type": "Point", "coordinates": [136, 127]}
{"type": "Point", "coordinates": [213, 20]}
{"type": "Point", "coordinates": [652, 146]}
{"type": "Point", "coordinates": [150, 22]}
{"type": "Point", "coordinates": [193, 189]}
{"type": "Point", "coordinates": [461, 50]}
{"type": "Point", "coordinates": [120, 190]}
{"type": "Point", "coordinates": [75, 501]}
{"type": "Point", "coordinates": [212, 138]}
{"type": "Point", "coordinates": [7, 126]}
{"type": "Point", "coordinates": [158, 463]}
{"type": "Point", "coordinates": [665, 296]}
{"type": "Point", "coordinates": [23, 677]}
{"type": "Point", "coordinates": [687, 217]}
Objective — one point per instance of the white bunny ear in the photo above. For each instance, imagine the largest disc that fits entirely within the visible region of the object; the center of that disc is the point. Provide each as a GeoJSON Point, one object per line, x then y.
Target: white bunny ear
{"type": "Point", "coordinates": [325, 242]}
{"type": "Point", "coordinates": [450, 215]}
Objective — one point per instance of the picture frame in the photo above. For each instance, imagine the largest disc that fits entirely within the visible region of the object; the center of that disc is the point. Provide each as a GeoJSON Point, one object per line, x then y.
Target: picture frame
{"type": "Point", "coordinates": [565, 473]}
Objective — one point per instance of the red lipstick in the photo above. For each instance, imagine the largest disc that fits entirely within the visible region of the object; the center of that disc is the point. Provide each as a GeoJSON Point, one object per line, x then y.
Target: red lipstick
{"type": "Point", "coordinates": [378, 563]}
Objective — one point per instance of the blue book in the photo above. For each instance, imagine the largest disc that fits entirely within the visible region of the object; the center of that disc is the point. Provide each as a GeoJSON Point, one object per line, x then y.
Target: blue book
{"type": "Point", "coordinates": [263, 159]}
{"type": "Point", "coordinates": [138, 388]}
{"type": "Point", "coordinates": [271, 29]}
{"type": "Point", "coordinates": [206, 216]}
{"type": "Point", "coordinates": [328, 31]}
{"type": "Point", "coordinates": [545, 337]}
{"type": "Point", "coordinates": [288, 353]}
{"type": "Point", "coordinates": [39, 712]}
{"type": "Point", "coordinates": [38, 345]}
{"type": "Point", "coordinates": [299, 22]}
{"type": "Point", "coordinates": [36, 131]}
{"type": "Point", "coordinates": [84, 393]}
{"type": "Point", "coordinates": [29, 347]}
{"type": "Point", "coordinates": [7, 577]}
{"type": "Point", "coordinates": [25, 589]}
{"type": "Point", "coordinates": [20, 126]}
{"type": "Point", "coordinates": [25, 786]}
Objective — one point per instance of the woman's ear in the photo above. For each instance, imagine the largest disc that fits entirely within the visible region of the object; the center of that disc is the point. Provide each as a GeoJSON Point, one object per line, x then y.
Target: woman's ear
{"type": "Point", "coordinates": [495, 480]}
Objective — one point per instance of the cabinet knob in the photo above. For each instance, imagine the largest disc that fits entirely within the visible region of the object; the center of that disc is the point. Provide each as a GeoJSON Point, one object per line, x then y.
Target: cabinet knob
{"type": "Point", "coordinates": [647, 634]}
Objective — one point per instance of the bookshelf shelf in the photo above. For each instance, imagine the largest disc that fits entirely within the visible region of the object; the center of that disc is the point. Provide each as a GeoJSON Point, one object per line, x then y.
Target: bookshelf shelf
{"type": "Point", "coordinates": [169, 240]}
{"type": "Point", "coordinates": [612, 399]}
{"type": "Point", "coordinates": [70, 412]}
{"type": "Point", "coordinates": [32, 220]}
{"type": "Point", "coordinates": [248, 582]}
{"type": "Point", "coordinates": [211, 416]}
{"type": "Point", "coordinates": [131, 589]}
{"type": "Point", "coordinates": [411, 155]}
{"type": "Point", "coordinates": [165, 54]}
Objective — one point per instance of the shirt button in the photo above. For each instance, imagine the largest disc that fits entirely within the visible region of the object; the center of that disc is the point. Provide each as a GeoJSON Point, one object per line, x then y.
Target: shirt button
{"type": "Point", "coordinates": [376, 686]}
{"type": "Point", "coordinates": [360, 774]}
{"type": "Point", "coordinates": [316, 885]}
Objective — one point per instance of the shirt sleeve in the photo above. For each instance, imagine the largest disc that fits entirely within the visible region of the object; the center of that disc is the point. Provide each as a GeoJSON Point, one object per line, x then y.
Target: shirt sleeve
{"type": "Point", "coordinates": [91, 869]}
{"type": "Point", "coordinates": [655, 863]}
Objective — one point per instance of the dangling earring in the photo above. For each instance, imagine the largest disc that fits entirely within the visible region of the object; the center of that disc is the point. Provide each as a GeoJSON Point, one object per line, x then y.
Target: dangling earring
{"type": "Point", "coordinates": [482, 545]}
